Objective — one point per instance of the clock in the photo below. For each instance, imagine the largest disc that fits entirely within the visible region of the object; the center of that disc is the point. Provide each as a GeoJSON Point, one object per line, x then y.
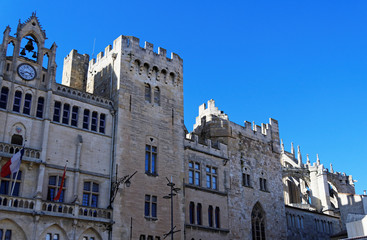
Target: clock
{"type": "Point", "coordinates": [26, 71]}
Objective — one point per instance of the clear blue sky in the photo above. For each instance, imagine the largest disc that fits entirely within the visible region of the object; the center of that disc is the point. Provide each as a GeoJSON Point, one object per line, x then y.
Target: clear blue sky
{"type": "Point", "coordinates": [303, 63]}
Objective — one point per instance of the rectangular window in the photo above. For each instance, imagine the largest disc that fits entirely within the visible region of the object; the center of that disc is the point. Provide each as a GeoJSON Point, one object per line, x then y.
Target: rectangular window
{"type": "Point", "coordinates": [194, 173]}
{"type": "Point", "coordinates": [66, 114]}
{"type": "Point", "coordinates": [57, 111]}
{"type": "Point", "coordinates": [263, 186]}
{"type": "Point", "coordinates": [17, 100]}
{"type": "Point", "coordinates": [102, 122]}
{"type": "Point", "coordinates": [211, 177]}
{"type": "Point", "coordinates": [90, 194]}
{"type": "Point", "coordinates": [54, 184]}
{"type": "Point", "coordinates": [93, 126]}
{"type": "Point", "coordinates": [6, 184]}
{"type": "Point", "coordinates": [4, 97]}
{"type": "Point", "coordinates": [150, 207]}
{"type": "Point", "coordinates": [27, 104]}
{"type": "Point", "coordinates": [74, 116]}
{"type": "Point", "coordinates": [150, 159]}
{"type": "Point", "coordinates": [40, 104]}
{"type": "Point", "coordinates": [86, 119]}
{"type": "Point", "coordinates": [246, 180]}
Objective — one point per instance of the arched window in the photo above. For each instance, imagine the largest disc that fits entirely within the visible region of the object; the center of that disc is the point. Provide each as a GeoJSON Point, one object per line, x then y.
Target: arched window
{"type": "Point", "coordinates": [17, 139]}
{"type": "Point", "coordinates": [86, 119]}
{"type": "Point", "coordinates": [66, 114]}
{"type": "Point", "coordinates": [94, 122]}
{"type": "Point", "coordinates": [217, 217]}
{"type": "Point", "coordinates": [57, 111]}
{"type": "Point", "coordinates": [192, 213]}
{"type": "Point", "coordinates": [102, 123]}
{"type": "Point", "coordinates": [17, 101]}
{"type": "Point", "coordinates": [198, 214]}
{"type": "Point", "coordinates": [40, 104]}
{"type": "Point", "coordinates": [157, 96]}
{"type": "Point", "coordinates": [210, 216]}
{"type": "Point", "coordinates": [27, 104]}
{"type": "Point", "coordinates": [258, 222]}
{"type": "Point", "coordinates": [148, 95]}
{"type": "Point", "coordinates": [74, 116]}
{"type": "Point", "coordinates": [4, 97]}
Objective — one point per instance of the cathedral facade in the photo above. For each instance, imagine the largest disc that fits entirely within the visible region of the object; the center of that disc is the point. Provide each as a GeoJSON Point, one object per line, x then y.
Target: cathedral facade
{"type": "Point", "coordinates": [133, 171]}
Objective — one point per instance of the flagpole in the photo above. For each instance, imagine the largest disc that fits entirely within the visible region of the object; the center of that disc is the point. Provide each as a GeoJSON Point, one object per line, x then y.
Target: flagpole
{"type": "Point", "coordinates": [16, 175]}
{"type": "Point", "coordinates": [15, 179]}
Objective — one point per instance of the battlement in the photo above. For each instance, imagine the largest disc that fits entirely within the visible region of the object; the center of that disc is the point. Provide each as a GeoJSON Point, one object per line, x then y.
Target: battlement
{"type": "Point", "coordinates": [131, 43]}
{"type": "Point", "coordinates": [217, 149]}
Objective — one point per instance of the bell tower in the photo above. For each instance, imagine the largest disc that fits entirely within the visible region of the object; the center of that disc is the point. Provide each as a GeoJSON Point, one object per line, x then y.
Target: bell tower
{"type": "Point", "coordinates": [24, 58]}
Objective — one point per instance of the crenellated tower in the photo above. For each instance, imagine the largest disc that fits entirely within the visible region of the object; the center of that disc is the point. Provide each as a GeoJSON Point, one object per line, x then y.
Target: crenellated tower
{"type": "Point", "coordinates": [147, 92]}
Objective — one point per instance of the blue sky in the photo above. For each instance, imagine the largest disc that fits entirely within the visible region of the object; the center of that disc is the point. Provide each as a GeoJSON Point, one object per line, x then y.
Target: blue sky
{"type": "Point", "coordinates": [303, 63]}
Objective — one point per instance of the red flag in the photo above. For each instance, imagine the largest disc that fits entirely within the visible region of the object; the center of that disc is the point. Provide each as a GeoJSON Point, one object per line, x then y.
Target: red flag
{"type": "Point", "coordinates": [61, 186]}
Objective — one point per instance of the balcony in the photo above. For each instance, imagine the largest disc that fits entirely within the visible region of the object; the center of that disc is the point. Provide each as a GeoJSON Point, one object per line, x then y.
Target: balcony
{"type": "Point", "coordinates": [65, 210]}
{"type": "Point", "coordinates": [8, 150]}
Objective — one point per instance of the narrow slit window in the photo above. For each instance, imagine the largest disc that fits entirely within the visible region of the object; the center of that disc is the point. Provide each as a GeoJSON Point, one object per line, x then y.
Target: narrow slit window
{"type": "Point", "coordinates": [148, 96]}
{"type": "Point", "coordinates": [157, 96]}
{"type": "Point", "coordinates": [27, 104]}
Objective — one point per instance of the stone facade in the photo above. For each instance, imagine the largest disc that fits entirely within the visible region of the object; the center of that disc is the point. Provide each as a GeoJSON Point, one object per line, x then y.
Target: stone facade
{"type": "Point", "coordinates": [119, 119]}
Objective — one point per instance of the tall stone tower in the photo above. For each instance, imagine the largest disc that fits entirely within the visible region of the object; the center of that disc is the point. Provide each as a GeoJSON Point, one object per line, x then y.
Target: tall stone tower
{"type": "Point", "coordinates": [147, 90]}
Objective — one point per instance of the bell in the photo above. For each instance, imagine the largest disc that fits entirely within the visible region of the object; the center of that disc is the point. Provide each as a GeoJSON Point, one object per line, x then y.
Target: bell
{"type": "Point", "coordinates": [34, 55]}
{"type": "Point", "coordinates": [23, 52]}
{"type": "Point", "coordinates": [29, 47]}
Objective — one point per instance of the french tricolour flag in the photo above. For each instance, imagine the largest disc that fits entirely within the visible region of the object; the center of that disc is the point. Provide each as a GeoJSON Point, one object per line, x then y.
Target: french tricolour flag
{"type": "Point", "coordinates": [12, 166]}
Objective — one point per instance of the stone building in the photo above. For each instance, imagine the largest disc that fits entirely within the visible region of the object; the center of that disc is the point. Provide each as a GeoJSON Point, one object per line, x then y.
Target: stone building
{"type": "Point", "coordinates": [118, 119]}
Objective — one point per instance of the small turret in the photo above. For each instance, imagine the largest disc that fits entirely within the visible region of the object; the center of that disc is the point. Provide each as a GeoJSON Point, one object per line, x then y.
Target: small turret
{"type": "Point", "coordinates": [331, 168]}
{"type": "Point", "coordinates": [282, 145]}
{"type": "Point", "coordinates": [299, 156]}
{"type": "Point", "coordinates": [308, 160]}
{"type": "Point", "coordinates": [292, 148]}
{"type": "Point", "coordinates": [318, 159]}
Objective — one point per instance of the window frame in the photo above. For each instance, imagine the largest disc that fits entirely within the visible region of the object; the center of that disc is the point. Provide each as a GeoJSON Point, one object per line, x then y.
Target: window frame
{"type": "Point", "coordinates": [91, 194]}
{"type": "Point", "coordinates": [150, 206]}
{"type": "Point", "coordinates": [211, 177]}
{"type": "Point", "coordinates": [102, 123]}
{"type": "Point", "coordinates": [27, 104]}
{"type": "Point", "coordinates": [66, 114]}
{"type": "Point", "coordinates": [86, 119]}
{"type": "Point", "coordinates": [56, 188]}
{"type": "Point", "coordinates": [4, 95]}
{"type": "Point", "coordinates": [6, 184]}
{"type": "Point", "coordinates": [57, 111]}
{"type": "Point", "coordinates": [40, 106]}
{"type": "Point", "coordinates": [94, 122]}
{"type": "Point", "coordinates": [151, 156]}
{"type": "Point", "coordinates": [74, 116]}
{"type": "Point", "coordinates": [17, 101]}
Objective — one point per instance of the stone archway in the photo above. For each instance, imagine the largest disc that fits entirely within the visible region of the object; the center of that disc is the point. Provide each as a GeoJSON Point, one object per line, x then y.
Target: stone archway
{"type": "Point", "coordinates": [258, 222]}
{"type": "Point", "coordinates": [14, 229]}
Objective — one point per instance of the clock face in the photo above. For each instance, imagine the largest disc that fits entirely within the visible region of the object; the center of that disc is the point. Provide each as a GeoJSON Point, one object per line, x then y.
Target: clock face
{"type": "Point", "coordinates": [26, 71]}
